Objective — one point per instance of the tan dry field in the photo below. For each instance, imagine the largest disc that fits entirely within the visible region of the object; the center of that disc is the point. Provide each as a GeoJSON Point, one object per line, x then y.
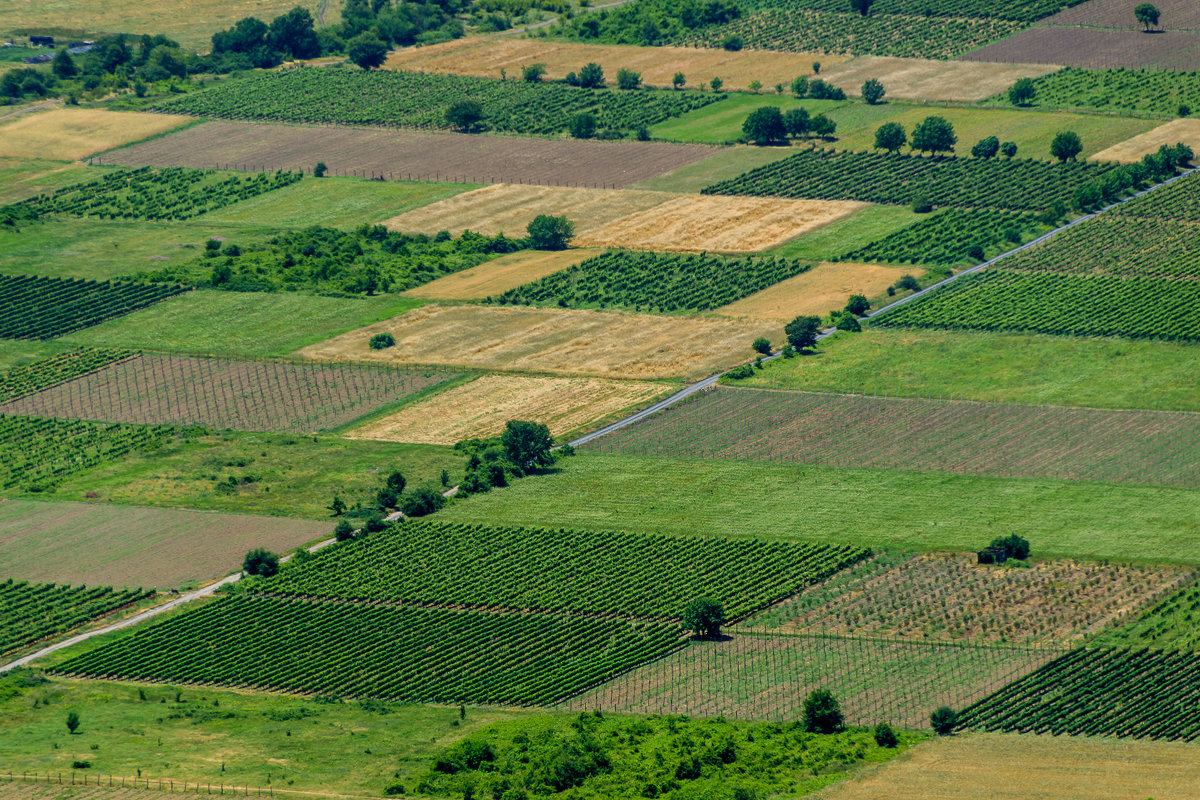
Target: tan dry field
{"type": "Point", "coordinates": [826, 286]}
{"type": "Point", "coordinates": [1028, 767]}
{"type": "Point", "coordinates": [486, 56]}
{"type": "Point", "coordinates": [482, 407]}
{"type": "Point", "coordinates": [567, 342]}
{"type": "Point", "coordinates": [69, 134]}
{"type": "Point", "coordinates": [498, 276]}
{"type": "Point", "coordinates": [1177, 130]}
{"type": "Point", "coordinates": [921, 79]}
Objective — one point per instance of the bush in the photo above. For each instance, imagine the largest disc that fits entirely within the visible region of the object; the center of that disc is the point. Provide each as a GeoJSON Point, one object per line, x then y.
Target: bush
{"type": "Point", "coordinates": [704, 616]}
{"type": "Point", "coordinates": [872, 91]}
{"type": "Point", "coordinates": [742, 372]}
{"type": "Point", "coordinates": [367, 50]}
{"type": "Point", "coordinates": [261, 562]}
{"type": "Point", "coordinates": [320, 169]}
{"type": "Point", "coordinates": [628, 79]}
{"type": "Point", "coordinates": [1016, 546]}
{"type": "Point", "coordinates": [765, 125]}
{"type": "Point", "coordinates": [921, 205]}
{"type": "Point", "coordinates": [934, 135]}
{"type": "Point", "coordinates": [72, 722]}
{"type": "Point", "coordinates": [81, 765]}
{"type": "Point", "coordinates": [1009, 149]}
{"type": "Point", "coordinates": [822, 712]}
{"type": "Point", "coordinates": [890, 136]}
{"type": "Point", "coordinates": [1184, 110]}
{"type": "Point", "coordinates": [582, 125]}
{"type": "Point", "coordinates": [1066, 146]}
{"type": "Point", "coordinates": [943, 720]}
{"type": "Point", "coordinates": [550, 233]}
{"type": "Point", "coordinates": [788, 351]}
{"type": "Point", "coordinates": [343, 531]}
{"type": "Point", "coordinates": [1022, 92]}
{"type": "Point", "coordinates": [382, 341]}
{"type": "Point", "coordinates": [975, 251]}
{"type": "Point", "coordinates": [908, 283]}
{"type": "Point", "coordinates": [986, 147]}
{"type": "Point", "coordinates": [375, 523]}
{"type": "Point", "coordinates": [885, 736]}
{"type": "Point", "coordinates": [716, 84]}
{"type": "Point", "coordinates": [732, 43]}
{"type": "Point", "coordinates": [762, 345]}
{"type": "Point", "coordinates": [532, 73]}
{"type": "Point", "coordinates": [422, 502]}
{"type": "Point", "coordinates": [848, 323]}
{"type": "Point", "coordinates": [591, 76]}
{"type": "Point", "coordinates": [465, 114]}
{"type": "Point", "coordinates": [527, 444]}
{"type": "Point", "coordinates": [858, 305]}
{"type": "Point", "coordinates": [802, 332]}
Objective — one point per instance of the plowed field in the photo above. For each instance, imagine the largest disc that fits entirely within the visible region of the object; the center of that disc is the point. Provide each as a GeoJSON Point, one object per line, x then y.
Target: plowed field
{"type": "Point", "coordinates": [1095, 48]}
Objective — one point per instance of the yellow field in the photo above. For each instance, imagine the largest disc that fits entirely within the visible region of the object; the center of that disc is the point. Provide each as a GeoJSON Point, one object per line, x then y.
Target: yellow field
{"type": "Point", "coordinates": [567, 342]}
{"type": "Point", "coordinates": [482, 407]}
{"type": "Point", "coordinates": [818, 291]}
{"type": "Point", "coordinates": [1008, 767]}
{"type": "Point", "coordinates": [497, 277]}
{"type": "Point", "coordinates": [69, 134]}
{"type": "Point", "coordinates": [486, 56]}
{"type": "Point", "coordinates": [1175, 131]}
{"type": "Point", "coordinates": [918, 79]}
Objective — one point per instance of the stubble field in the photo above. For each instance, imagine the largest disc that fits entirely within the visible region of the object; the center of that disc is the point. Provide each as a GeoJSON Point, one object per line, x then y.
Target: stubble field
{"type": "Point", "coordinates": [924, 79]}
{"type": "Point", "coordinates": [70, 134]}
{"type": "Point", "coordinates": [1177, 130]}
{"type": "Point", "coordinates": [818, 290]}
{"type": "Point", "coordinates": [501, 274]}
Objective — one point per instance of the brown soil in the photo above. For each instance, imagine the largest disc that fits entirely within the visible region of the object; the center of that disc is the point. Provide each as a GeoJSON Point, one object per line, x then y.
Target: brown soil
{"type": "Point", "coordinates": [1176, 15]}
{"type": "Point", "coordinates": [499, 275]}
{"type": "Point", "coordinates": [922, 79]}
{"type": "Point", "coordinates": [825, 287]}
{"type": "Point", "coordinates": [70, 134]}
{"type": "Point", "coordinates": [1093, 48]}
{"type": "Point", "coordinates": [1175, 131]}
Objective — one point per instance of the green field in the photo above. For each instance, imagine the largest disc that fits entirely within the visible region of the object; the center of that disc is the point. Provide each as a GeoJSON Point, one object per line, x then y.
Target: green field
{"type": "Point", "coordinates": [21, 352]}
{"type": "Point", "coordinates": [865, 507]}
{"type": "Point", "coordinates": [720, 123]}
{"type": "Point", "coordinates": [850, 233]}
{"type": "Point", "coordinates": [725, 163]}
{"type": "Point", "coordinates": [1170, 625]}
{"type": "Point", "coordinates": [21, 178]}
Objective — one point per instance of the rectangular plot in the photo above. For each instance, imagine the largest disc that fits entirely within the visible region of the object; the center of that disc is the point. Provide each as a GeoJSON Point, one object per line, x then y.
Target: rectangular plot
{"type": "Point", "coordinates": [42, 308]}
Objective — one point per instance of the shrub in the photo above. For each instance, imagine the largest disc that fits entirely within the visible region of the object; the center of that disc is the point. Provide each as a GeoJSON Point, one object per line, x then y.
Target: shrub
{"type": "Point", "coordinates": [343, 531]}
{"type": "Point", "coordinates": [72, 722]}
{"type": "Point", "coordinates": [261, 562]}
{"type": "Point", "coordinates": [367, 50]}
{"type": "Point", "coordinates": [1184, 110]}
{"type": "Point", "coordinates": [422, 502]}
{"type": "Point", "coordinates": [1022, 92]}
{"type": "Point", "coordinates": [800, 86]}
{"type": "Point", "coordinates": [934, 134]}
{"type": "Point", "coordinates": [890, 136]}
{"type": "Point", "coordinates": [591, 76]}
{"type": "Point", "coordinates": [975, 251]}
{"type": "Point", "coordinates": [81, 765]}
{"type": "Point", "coordinates": [732, 42]}
{"type": "Point", "coordinates": [375, 523]}
{"type": "Point", "coordinates": [822, 712]}
{"type": "Point", "coordinates": [858, 305]}
{"type": "Point", "coordinates": [382, 341]}
{"type": "Point", "coordinates": [527, 444]}
{"type": "Point", "coordinates": [797, 121]}
{"type": "Point", "coordinates": [872, 91]}
{"type": "Point", "coordinates": [628, 79]}
{"type": "Point", "coordinates": [704, 616]}
{"type": "Point", "coordinates": [1009, 149]}
{"type": "Point", "coordinates": [986, 147]}
{"type": "Point", "coordinates": [742, 372]}
{"type": "Point", "coordinates": [533, 73]}
{"type": "Point", "coordinates": [921, 205]}
{"type": "Point", "coordinates": [550, 233]}
{"type": "Point", "coordinates": [788, 351]}
{"type": "Point", "coordinates": [762, 345]}
{"type": "Point", "coordinates": [716, 84]}
{"type": "Point", "coordinates": [582, 125]}
{"type": "Point", "coordinates": [465, 114]}
{"type": "Point", "coordinates": [802, 332]}
{"type": "Point", "coordinates": [1016, 546]}
{"type": "Point", "coordinates": [1066, 146]}
{"type": "Point", "coordinates": [320, 169]}
{"type": "Point", "coordinates": [942, 720]}
{"type": "Point", "coordinates": [848, 323]}
{"type": "Point", "coordinates": [885, 736]}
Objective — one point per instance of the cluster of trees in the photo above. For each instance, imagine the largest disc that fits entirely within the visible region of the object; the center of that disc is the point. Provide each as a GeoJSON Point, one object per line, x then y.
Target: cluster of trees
{"type": "Point", "coordinates": [522, 449]}
{"type": "Point", "coordinates": [818, 89]}
{"type": "Point", "coordinates": [768, 125]}
{"type": "Point", "coordinates": [1116, 183]}
{"type": "Point", "coordinates": [650, 22]}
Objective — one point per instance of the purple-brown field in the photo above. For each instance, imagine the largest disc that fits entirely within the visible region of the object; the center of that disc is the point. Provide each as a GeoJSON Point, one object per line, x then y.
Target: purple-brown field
{"type": "Point", "coordinates": [1093, 48]}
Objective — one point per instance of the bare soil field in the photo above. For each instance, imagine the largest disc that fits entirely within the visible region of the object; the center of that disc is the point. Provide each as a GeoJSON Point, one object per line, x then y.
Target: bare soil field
{"type": "Point", "coordinates": [486, 57]}
{"type": "Point", "coordinates": [501, 274]}
{"type": "Point", "coordinates": [1051, 768]}
{"type": "Point", "coordinates": [413, 155]}
{"type": "Point", "coordinates": [818, 290]}
{"type": "Point", "coordinates": [482, 407]}
{"type": "Point", "coordinates": [923, 79]}
{"type": "Point", "coordinates": [1094, 48]}
{"type": "Point", "coordinates": [1185, 130]}
{"type": "Point", "coordinates": [69, 134]}
{"type": "Point", "coordinates": [110, 545]}
{"type": "Point", "coordinates": [1177, 15]}
{"type": "Point", "coordinates": [568, 342]}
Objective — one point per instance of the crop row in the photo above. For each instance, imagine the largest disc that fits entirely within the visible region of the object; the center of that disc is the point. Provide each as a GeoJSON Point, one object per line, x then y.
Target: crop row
{"type": "Point", "coordinates": [33, 611]}
{"type": "Point", "coordinates": [949, 236]}
{"type": "Point", "coordinates": [1103, 692]}
{"type": "Point", "coordinates": [1114, 245]}
{"type": "Point", "coordinates": [424, 562]}
{"type": "Point", "coordinates": [1169, 625]}
{"type": "Point", "coordinates": [60, 368]}
{"type": "Point", "coordinates": [1179, 201]}
{"type": "Point", "coordinates": [42, 308]}
{"type": "Point", "coordinates": [894, 178]}
{"type": "Point", "coordinates": [1020, 11]}
{"type": "Point", "coordinates": [421, 100]}
{"type": "Point", "coordinates": [655, 281]}
{"type": "Point", "coordinates": [35, 454]}
{"type": "Point", "coordinates": [1144, 90]}
{"type": "Point", "coordinates": [387, 652]}
{"type": "Point", "coordinates": [1007, 300]}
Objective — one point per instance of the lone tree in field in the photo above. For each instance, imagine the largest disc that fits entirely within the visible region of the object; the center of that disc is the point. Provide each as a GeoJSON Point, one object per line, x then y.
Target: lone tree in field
{"type": "Point", "coordinates": [678, 80]}
{"type": "Point", "coordinates": [716, 84]}
{"type": "Point", "coordinates": [591, 76]}
{"type": "Point", "coordinates": [527, 444]}
{"type": "Point", "coordinates": [465, 114]}
{"type": "Point", "coordinates": [872, 91]}
{"type": "Point", "coordinates": [942, 721]}
{"type": "Point", "coordinates": [550, 233]}
{"type": "Point", "coordinates": [1147, 14]}
{"type": "Point", "coordinates": [891, 137]}
{"type": "Point", "coordinates": [858, 305]}
{"type": "Point", "coordinates": [261, 562]}
{"type": "Point", "coordinates": [320, 169]}
{"type": "Point", "coordinates": [367, 50]}
{"type": "Point", "coordinates": [1066, 146]}
{"type": "Point", "coordinates": [1022, 92]}
{"type": "Point", "coordinates": [533, 73]}
{"type": "Point", "coordinates": [987, 147]}
{"type": "Point", "coordinates": [1009, 149]}
{"type": "Point", "coordinates": [704, 616]}
{"type": "Point", "coordinates": [822, 712]}
{"type": "Point", "coordinates": [628, 79]}
{"type": "Point", "coordinates": [934, 135]}
{"type": "Point", "coordinates": [72, 722]}
{"type": "Point", "coordinates": [382, 341]}
{"type": "Point", "coordinates": [765, 126]}
{"type": "Point", "coordinates": [802, 332]}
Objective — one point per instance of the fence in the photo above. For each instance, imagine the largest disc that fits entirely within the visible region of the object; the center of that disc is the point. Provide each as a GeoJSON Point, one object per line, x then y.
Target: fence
{"type": "Point", "coordinates": [79, 778]}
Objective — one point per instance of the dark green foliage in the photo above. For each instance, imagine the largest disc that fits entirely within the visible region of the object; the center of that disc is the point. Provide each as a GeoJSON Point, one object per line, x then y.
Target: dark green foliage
{"type": "Point", "coordinates": [627, 79]}
{"type": "Point", "coordinates": [72, 722]}
{"type": "Point", "coordinates": [857, 305]}
{"type": "Point", "coordinates": [343, 531]}
{"type": "Point", "coordinates": [944, 237]}
{"type": "Point", "coordinates": [885, 736]}
{"type": "Point", "coordinates": [762, 345]}
{"type": "Point", "coordinates": [802, 332]}
{"type": "Point", "coordinates": [550, 233]}
{"type": "Point", "coordinates": [41, 308]}
{"type": "Point", "coordinates": [36, 454]}
{"type": "Point", "coordinates": [847, 323]}
{"type": "Point", "coordinates": [533, 73]}
{"type": "Point", "coordinates": [24, 380]}
{"type": "Point", "coordinates": [987, 147]}
{"type": "Point", "coordinates": [367, 50]}
{"type": "Point", "coordinates": [872, 90]}
{"type": "Point", "coordinates": [890, 136]}
{"type": "Point", "coordinates": [33, 611]}
{"type": "Point", "coordinates": [1016, 546]}
{"type": "Point", "coordinates": [1009, 149]}
{"type": "Point", "coordinates": [527, 444]}
{"type": "Point", "coordinates": [582, 125]}
{"type": "Point", "coordinates": [1066, 146]}
{"type": "Point", "coordinates": [943, 720]}
{"type": "Point", "coordinates": [465, 115]}
{"type": "Point", "coordinates": [422, 501]}
{"type": "Point", "coordinates": [591, 76]}
{"type": "Point", "coordinates": [822, 712]}
{"type": "Point", "coordinates": [382, 341]}
{"type": "Point", "coordinates": [732, 42]}
{"type": "Point", "coordinates": [375, 524]}
{"type": "Point", "coordinates": [1124, 90]}
{"type": "Point", "coordinates": [797, 121]}
{"type": "Point", "coordinates": [933, 134]}
{"type": "Point", "coordinates": [703, 616]}
{"type": "Point", "coordinates": [1146, 14]}
{"type": "Point", "coordinates": [261, 562]}
{"type": "Point", "coordinates": [764, 126]}
{"type": "Point", "coordinates": [1022, 92]}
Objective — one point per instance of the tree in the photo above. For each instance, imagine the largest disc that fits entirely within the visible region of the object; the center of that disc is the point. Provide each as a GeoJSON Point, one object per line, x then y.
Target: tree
{"type": "Point", "coordinates": [395, 481]}
{"type": "Point", "coordinates": [716, 84]}
{"type": "Point", "coordinates": [762, 345]}
{"type": "Point", "coordinates": [678, 80]}
{"type": "Point", "coordinates": [72, 722]}
{"type": "Point", "coordinates": [800, 86]}
{"type": "Point", "coordinates": [533, 73]}
{"type": "Point", "coordinates": [382, 341]}
{"type": "Point", "coordinates": [755, 86]}
{"type": "Point", "coordinates": [764, 125]}
{"type": "Point", "coordinates": [890, 136]}
{"type": "Point", "coordinates": [527, 444]}
{"type": "Point", "coordinates": [1147, 15]}
{"type": "Point", "coordinates": [821, 125]}
{"type": "Point", "coordinates": [628, 79]}
{"type": "Point", "coordinates": [885, 736]}
{"type": "Point", "coordinates": [858, 305]}
{"type": "Point", "coordinates": [732, 43]}
{"type": "Point", "coordinates": [797, 121]}
{"type": "Point", "coordinates": [942, 720]}
{"type": "Point", "coordinates": [422, 502]}
{"type": "Point", "coordinates": [464, 114]}
{"type": "Point", "coordinates": [802, 332]}
{"type": "Point", "coordinates": [847, 322]}
{"type": "Point", "coordinates": [293, 33]}
{"type": "Point", "coordinates": [63, 66]}
{"type": "Point", "coordinates": [987, 147]}
{"type": "Point", "coordinates": [320, 169]}
{"type": "Point", "coordinates": [1009, 149]}
{"type": "Point", "coordinates": [338, 506]}
{"type": "Point", "coordinates": [367, 50]}
{"type": "Point", "coordinates": [1022, 92]}
{"type": "Point", "coordinates": [550, 233]}
{"type": "Point", "coordinates": [343, 531]}
{"type": "Point", "coordinates": [822, 712]}
{"type": "Point", "coordinates": [261, 562]}
{"type": "Point", "coordinates": [862, 6]}
{"type": "Point", "coordinates": [1066, 146]}
{"type": "Point", "coordinates": [872, 91]}
{"type": "Point", "coordinates": [704, 616]}
{"type": "Point", "coordinates": [582, 125]}
{"type": "Point", "coordinates": [1016, 546]}
{"type": "Point", "coordinates": [934, 135]}
{"type": "Point", "coordinates": [591, 76]}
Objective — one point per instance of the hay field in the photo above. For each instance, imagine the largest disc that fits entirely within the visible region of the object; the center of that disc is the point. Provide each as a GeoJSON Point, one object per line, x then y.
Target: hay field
{"type": "Point", "coordinates": [485, 57]}
{"type": "Point", "coordinates": [817, 291]}
{"type": "Point", "coordinates": [568, 342]}
{"type": "Point", "coordinates": [482, 407]}
{"type": "Point", "coordinates": [977, 767]}
{"type": "Point", "coordinates": [498, 276]}
{"type": "Point", "coordinates": [69, 134]}
{"type": "Point", "coordinates": [923, 79]}
{"type": "Point", "coordinates": [1186, 130]}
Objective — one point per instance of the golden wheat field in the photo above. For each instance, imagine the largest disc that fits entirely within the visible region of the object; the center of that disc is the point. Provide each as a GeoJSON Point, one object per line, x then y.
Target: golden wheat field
{"type": "Point", "coordinates": [1177, 130]}
{"type": "Point", "coordinates": [827, 286]}
{"type": "Point", "coordinates": [921, 79]}
{"type": "Point", "coordinates": [501, 274]}
{"type": "Point", "coordinates": [69, 134]}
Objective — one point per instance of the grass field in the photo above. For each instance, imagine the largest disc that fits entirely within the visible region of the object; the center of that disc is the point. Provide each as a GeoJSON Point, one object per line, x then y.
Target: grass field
{"type": "Point", "coordinates": [844, 235]}
{"type": "Point", "coordinates": [24, 177]}
{"type": "Point", "coordinates": [921, 79]}
{"type": "Point", "coordinates": [819, 290]}
{"type": "Point", "coordinates": [1169, 624]}
{"type": "Point", "coordinates": [1173, 132]}
{"type": "Point", "coordinates": [993, 366]}
{"type": "Point", "coordinates": [720, 123]}
{"type": "Point", "coordinates": [101, 544]}
{"type": "Point", "coordinates": [726, 163]}
{"type": "Point", "coordinates": [69, 134]}
{"type": "Point", "coordinates": [890, 507]}
{"type": "Point", "coordinates": [20, 352]}
{"type": "Point", "coordinates": [497, 276]}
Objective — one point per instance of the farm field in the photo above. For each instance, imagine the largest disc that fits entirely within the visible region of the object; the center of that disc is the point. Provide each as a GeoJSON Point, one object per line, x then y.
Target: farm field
{"type": "Point", "coordinates": [25, 177]}
{"type": "Point", "coordinates": [1168, 625]}
{"type": "Point", "coordinates": [724, 163]}
{"type": "Point", "coordinates": [101, 544]}
{"type": "Point", "coordinates": [926, 79]}
{"type": "Point", "coordinates": [721, 123]}
{"type": "Point", "coordinates": [1179, 201]}
{"type": "Point", "coordinates": [947, 236]}
{"type": "Point", "coordinates": [562, 341]}
{"type": "Point", "coordinates": [1130, 150]}
{"type": "Point", "coordinates": [24, 352]}
{"type": "Point", "coordinates": [1124, 91]}
{"type": "Point", "coordinates": [412, 155]}
{"type": "Point", "coordinates": [834, 240]}
{"type": "Point", "coordinates": [70, 134]}
{"type": "Point", "coordinates": [42, 308]}
{"type": "Point", "coordinates": [1096, 48]}
{"type": "Point", "coordinates": [1176, 15]}
{"type": "Point", "coordinates": [826, 286]}
{"type": "Point", "coordinates": [480, 409]}
{"type": "Point", "coordinates": [21, 379]}
{"type": "Point", "coordinates": [35, 611]}
{"type": "Point", "coordinates": [499, 275]}
{"type": "Point", "coordinates": [41, 453]}
{"type": "Point", "coordinates": [1121, 245]}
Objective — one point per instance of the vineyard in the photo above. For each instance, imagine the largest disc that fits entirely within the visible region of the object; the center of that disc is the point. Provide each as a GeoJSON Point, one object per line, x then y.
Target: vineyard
{"type": "Point", "coordinates": [35, 454]}
{"type": "Point", "coordinates": [1006, 300]}
{"type": "Point", "coordinates": [648, 281]}
{"type": "Point", "coordinates": [556, 570]}
{"type": "Point", "coordinates": [42, 308]}
{"type": "Point", "coordinates": [221, 393]}
{"type": "Point", "coordinates": [23, 380]}
{"type": "Point", "coordinates": [1169, 625]}
{"type": "Point", "coordinates": [1099, 692]}
{"type": "Point", "coordinates": [1140, 90]}
{"type": "Point", "coordinates": [407, 99]}
{"type": "Point", "coordinates": [1146, 447]}
{"type": "Point", "coordinates": [1023, 11]}
{"type": "Point", "coordinates": [1179, 201]}
{"type": "Point", "coordinates": [149, 193]}
{"type": "Point", "coordinates": [894, 178]}
{"type": "Point", "coordinates": [1117, 245]}
{"type": "Point", "coordinates": [386, 652]}
{"type": "Point", "coordinates": [32, 611]}
{"type": "Point", "coordinates": [946, 237]}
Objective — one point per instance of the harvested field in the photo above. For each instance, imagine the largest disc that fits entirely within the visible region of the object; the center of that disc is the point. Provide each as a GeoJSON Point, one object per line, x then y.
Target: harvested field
{"type": "Point", "coordinates": [482, 407]}
{"type": "Point", "coordinates": [924, 79]}
{"type": "Point", "coordinates": [1093, 48]}
{"type": "Point", "coordinates": [486, 57]}
{"type": "Point", "coordinates": [413, 155]}
{"type": "Point", "coordinates": [1178, 130]}
{"type": "Point", "coordinates": [110, 545]}
{"type": "Point", "coordinates": [70, 134]}
{"type": "Point", "coordinates": [949, 597]}
{"type": "Point", "coordinates": [219, 393]}
{"type": "Point", "coordinates": [1051, 768]}
{"type": "Point", "coordinates": [1177, 15]}
{"type": "Point", "coordinates": [1141, 447]}
{"type": "Point", "coordinates": [498, 276]}
{"type": "Point", "coordinates": [767, 677]}
{"type": "Point", "coordinates": [818, 290]}
{"type": "Point", "coordinates": [570, 342]}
